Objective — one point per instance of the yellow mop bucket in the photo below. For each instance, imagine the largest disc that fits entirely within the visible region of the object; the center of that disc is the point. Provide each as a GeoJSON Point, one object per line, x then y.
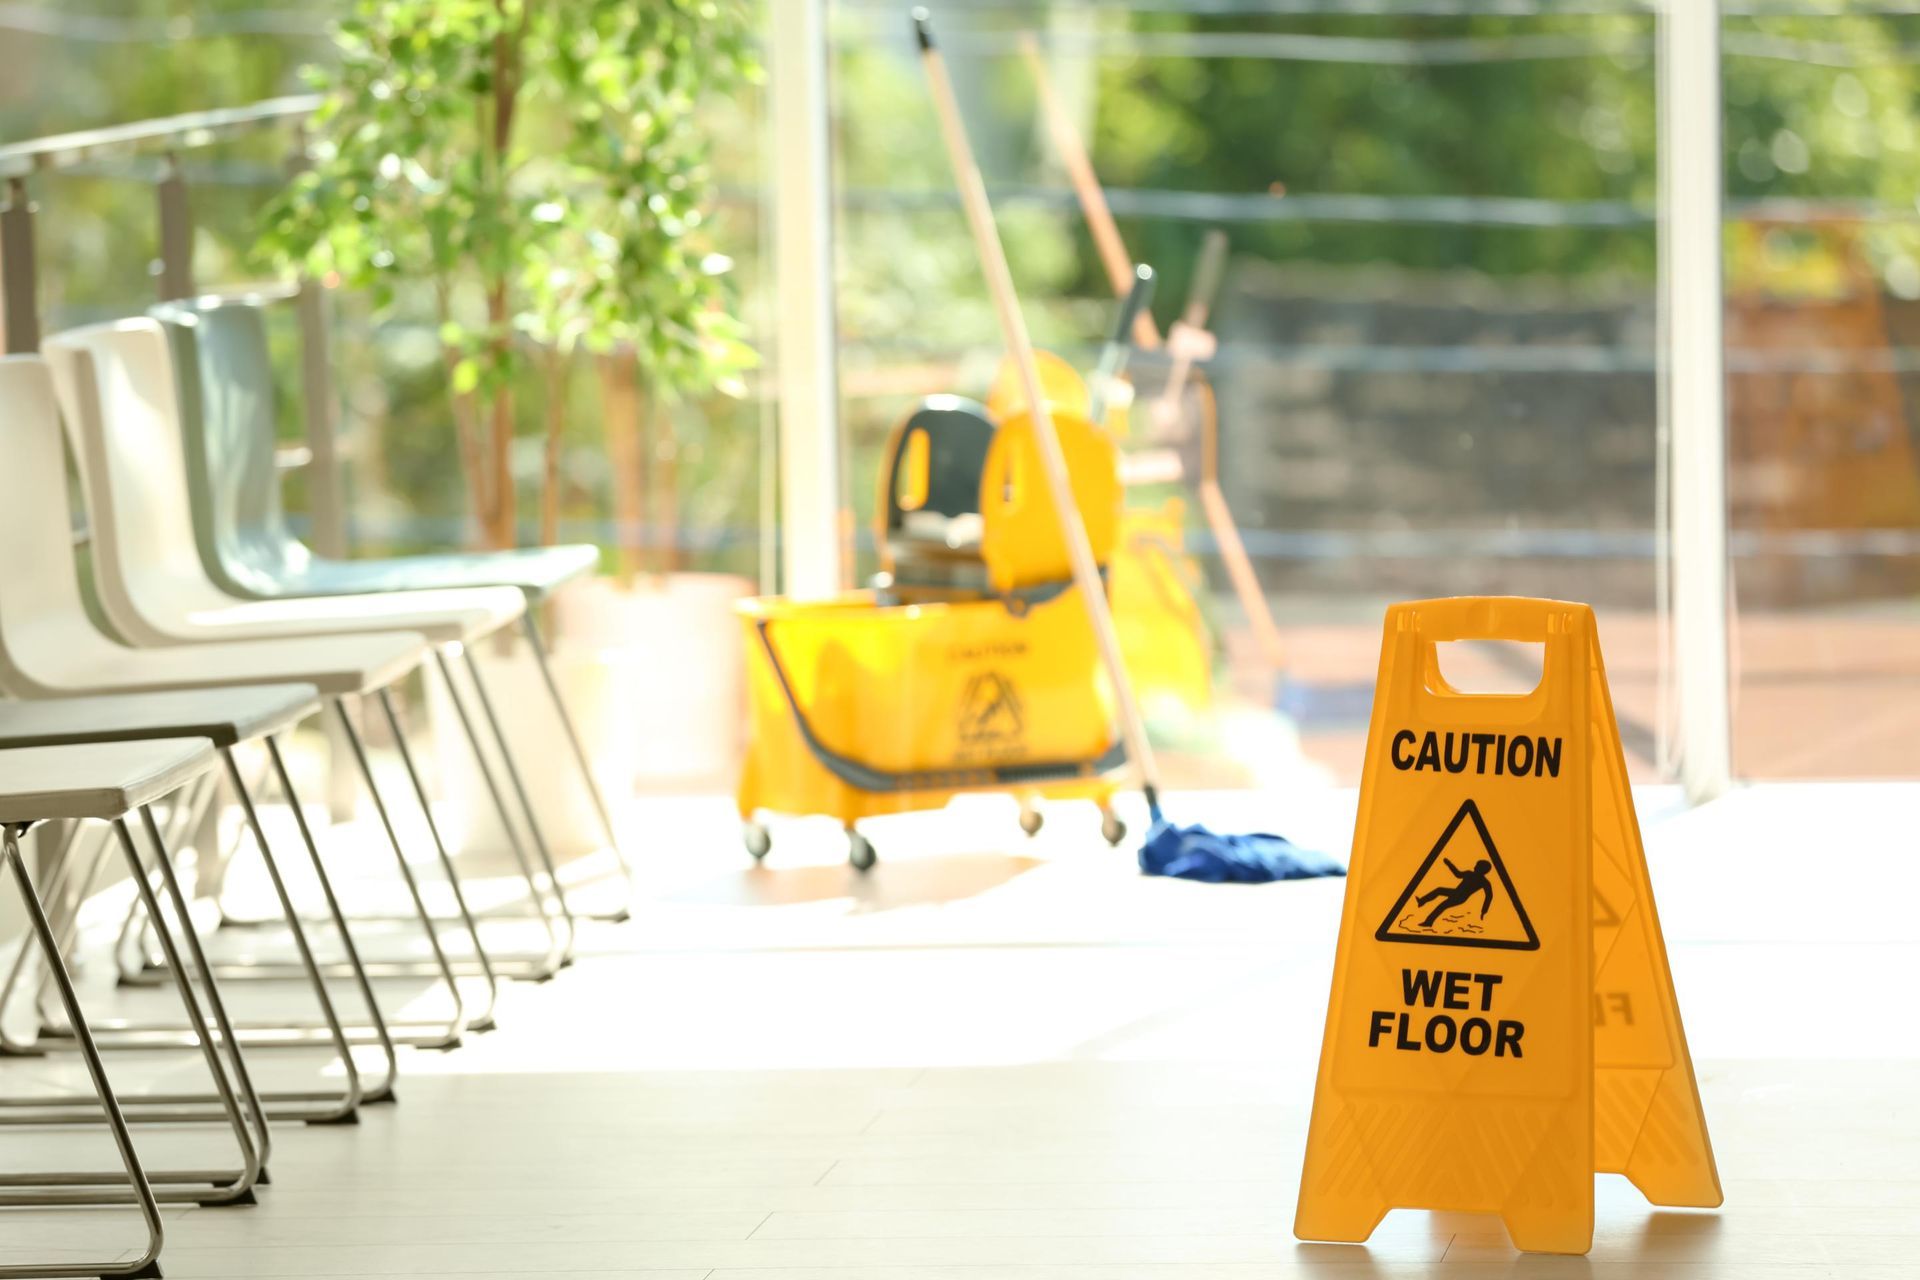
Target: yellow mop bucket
{"type": "Point", "coordinates": [1163, 637]}
{"type": "Point", "coordinates": [1155, 584]}
{"type": "Point", "coordinates": [861, 707]}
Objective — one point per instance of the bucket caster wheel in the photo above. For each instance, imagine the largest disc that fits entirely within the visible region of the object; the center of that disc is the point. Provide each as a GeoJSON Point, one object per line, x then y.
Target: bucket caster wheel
{"type": "Point", "coordinates": [1031, 820]}
{"type": "Point", "coordinates": [758, 839]}
{"type": "Point", "coordinates": [1112, 830]}
{"type": "Point", "coordinates": [860, 854]}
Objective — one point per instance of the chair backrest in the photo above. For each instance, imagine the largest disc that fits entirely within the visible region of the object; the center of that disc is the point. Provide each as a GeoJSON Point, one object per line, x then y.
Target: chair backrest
{"type": "Point", "coordinates": [223, 371]}
{"type": "Point", "coordinates": [116, 390]}
{"type": "Point", "coordinates": [43, 614]}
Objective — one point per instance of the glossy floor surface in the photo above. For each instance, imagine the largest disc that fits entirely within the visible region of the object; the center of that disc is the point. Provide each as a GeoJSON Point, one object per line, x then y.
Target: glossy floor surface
{"type": "Point", "coordinates": [1019, 1059]}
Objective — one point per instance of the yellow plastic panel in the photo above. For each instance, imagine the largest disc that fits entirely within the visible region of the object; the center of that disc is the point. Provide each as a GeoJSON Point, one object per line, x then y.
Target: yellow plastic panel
{"type": "Point", "coordinates": [1163, 636]}
{"type": "Point", "coordinates": [1456, 1070]}
{"type": "Point", "coordinates": [1022, 542]}
{"type": "Point", "coordinates": [1065, 389]}
{"type": "Point", "coordinates": [1648, 1123]}
{"type": "Point", "coordinates": [915, 469]}
{"type": "Point", "coordinates": [939, 687]}
{"type": "Point", "coordinates": [1496, 870]}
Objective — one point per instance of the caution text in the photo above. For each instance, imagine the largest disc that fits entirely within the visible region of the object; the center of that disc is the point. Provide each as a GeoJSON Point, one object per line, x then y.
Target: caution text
{"type": "Point", "coordinates": [1500, 754]}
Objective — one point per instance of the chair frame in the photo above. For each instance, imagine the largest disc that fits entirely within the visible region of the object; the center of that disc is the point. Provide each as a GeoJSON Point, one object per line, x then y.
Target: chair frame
{"type": "Point", "coordinates": [222, 530]}
{"type": "Point", "coordinates": [140, 1189]}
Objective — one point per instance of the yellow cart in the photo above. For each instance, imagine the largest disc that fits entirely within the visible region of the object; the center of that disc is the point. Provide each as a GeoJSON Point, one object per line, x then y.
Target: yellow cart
{"type": "Point", "coordinates": [1155, 585]}
{"type": "Point", "coordinates": [887, 702]}
{"type": "Point", "coordinates": [1154, 582]}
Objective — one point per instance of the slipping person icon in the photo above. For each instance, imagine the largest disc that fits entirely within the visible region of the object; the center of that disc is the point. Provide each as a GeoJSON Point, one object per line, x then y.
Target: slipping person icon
{"type": "Point", "coordinates": [1471, 882]}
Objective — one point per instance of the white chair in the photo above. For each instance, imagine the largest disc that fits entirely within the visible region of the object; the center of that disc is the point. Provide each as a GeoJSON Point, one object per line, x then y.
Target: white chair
{"type": "Point", "coordinates": [118, 392]}
{"type": "Point", "coordinates": [115, 385]}
{"type": "Point", "coordinates": [107, 783]}
{"type": "Point", "coordinates": [224, 379]}
{"type": "Point", "coordinates": [227, 718]}
{"type": "Point", "coordinates": [50, 648]}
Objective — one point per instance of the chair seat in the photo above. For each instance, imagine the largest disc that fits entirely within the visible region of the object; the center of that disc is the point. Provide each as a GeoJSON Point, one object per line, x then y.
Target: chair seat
{"type": "Point", "coordinates": [336, 665]}
{"type": "Point", "coordinates": [538, 571]}
{"type": "Point", "coordinates": [225, 717]}
{"type": "Point", "coordinates": [102, 780]}
{"type": "Point", "coordinates": [444, 617]}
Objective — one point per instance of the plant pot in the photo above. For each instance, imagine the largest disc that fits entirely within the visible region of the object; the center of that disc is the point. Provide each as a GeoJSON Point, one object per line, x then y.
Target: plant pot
{"type": "Point", "coordinates": [592, 686]}
{"type": "Point", "coordinates": [652, 677]}
{"type": "Point", "coordinates": [677, 644]}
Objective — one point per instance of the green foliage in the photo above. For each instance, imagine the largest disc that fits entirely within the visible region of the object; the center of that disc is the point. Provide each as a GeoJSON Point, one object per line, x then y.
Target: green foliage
{"type": "Point", "coordinates": [543, 166]}
{"type": "Point", "coordinates": [1836, 122]}
{"type": "Point", "coordinates": [1572, 129]}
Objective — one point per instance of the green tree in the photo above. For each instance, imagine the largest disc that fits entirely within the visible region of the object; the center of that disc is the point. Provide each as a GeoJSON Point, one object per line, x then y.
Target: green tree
{"type": "Point", "coordinates": [541, 165]}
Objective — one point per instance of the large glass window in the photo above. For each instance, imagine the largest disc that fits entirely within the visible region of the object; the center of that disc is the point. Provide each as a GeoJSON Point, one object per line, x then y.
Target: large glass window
{"type": "Point", "coordinates": [1823, 343]}
{"type": "Point", "coordinates": [1436, 325]}
{"type": "Point", "coordinates": [691, 494]}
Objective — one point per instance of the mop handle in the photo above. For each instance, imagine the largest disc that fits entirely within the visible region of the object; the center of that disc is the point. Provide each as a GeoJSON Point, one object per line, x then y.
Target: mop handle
{"type": "Point", "coordinates": [1233, 549]}
{"type": "Point", "coordinates": [1114, 353]}
{"type": "Point", "coordinates": [1206, 279]}
{"type": "Point", "coordinates": [1086, 185]}
{"type": "Point", "coordinates": [1013, 325]}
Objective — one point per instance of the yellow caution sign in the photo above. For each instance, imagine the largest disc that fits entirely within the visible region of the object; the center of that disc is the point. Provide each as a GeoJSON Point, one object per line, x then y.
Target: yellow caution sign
{"type": "Point", "coordinates": [1502, 1022]}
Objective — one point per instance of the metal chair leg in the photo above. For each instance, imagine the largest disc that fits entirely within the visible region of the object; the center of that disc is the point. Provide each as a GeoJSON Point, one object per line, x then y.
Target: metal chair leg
{"type": "Point", "coordinates": [234, 1092]}
{"type": "Point", "coordinates": [334, 1106]}
{"type": "Point", "coordinates": [261, 786]}
{"type": "Point", "coordinates": [485, 1022]}
{"type": "Point", "coordinates": [383, 1035]}
{"type": "Point", "coordinates": [513, 776]}
{"type": "Point", "coordinates": [531, 628]}
{"type": "Point", "coordinates": [187, 814]}
{"type": "Point", "coordinates": [138, 1190]}
{"type": "Point", "coordinates": [562, 952]}
{"type": "Point", "coordinates": [378, 1031]}
{"type": "Point", "coordinates": [460, 1021]}
{"type": "Point", "coordinates": [161, 1035]}
{"type": "Point", "coordinates": [239, 1103]}
{"type": "Point", "coordinates": [349, 1101]}
{"type": "Point", "coordinates": [62, 861]}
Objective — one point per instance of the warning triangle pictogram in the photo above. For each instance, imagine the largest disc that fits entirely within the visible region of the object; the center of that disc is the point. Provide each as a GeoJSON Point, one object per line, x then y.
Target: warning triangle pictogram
{"type": "Point", "coordinates": [1604, 916]}
{"type": "Point", "coordinates": [1468, 902]}
{"type": "Point", "coordinates": [989, 709]}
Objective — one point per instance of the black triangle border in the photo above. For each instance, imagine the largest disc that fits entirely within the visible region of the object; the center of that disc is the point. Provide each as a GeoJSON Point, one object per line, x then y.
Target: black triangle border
{"type": "Point", "coordinates": [1385, 932]}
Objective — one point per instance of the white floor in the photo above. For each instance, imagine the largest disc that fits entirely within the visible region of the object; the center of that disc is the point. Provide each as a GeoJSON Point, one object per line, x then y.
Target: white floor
{"type": "Point", "coordinates": [1020, 1059]}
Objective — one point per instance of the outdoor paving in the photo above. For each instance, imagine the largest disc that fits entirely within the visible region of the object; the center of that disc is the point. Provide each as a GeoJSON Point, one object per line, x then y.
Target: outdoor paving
{"type": "Point", "coordinates": [1815, 695]}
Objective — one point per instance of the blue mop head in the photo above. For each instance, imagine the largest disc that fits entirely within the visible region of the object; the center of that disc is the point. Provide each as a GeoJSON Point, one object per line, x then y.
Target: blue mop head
{"type": "Point", "coordinates": [1195, 853]}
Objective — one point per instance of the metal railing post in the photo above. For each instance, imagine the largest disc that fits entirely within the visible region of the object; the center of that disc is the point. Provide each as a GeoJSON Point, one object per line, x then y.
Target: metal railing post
{"type": "Point", "coordinates": [326, 501]}
{"type": "Point", "coordinates": [326, 498]}
{"type": "Point", "coordinates": [175, 267]}
{"type": "Point", "coordinates": [19, 288]}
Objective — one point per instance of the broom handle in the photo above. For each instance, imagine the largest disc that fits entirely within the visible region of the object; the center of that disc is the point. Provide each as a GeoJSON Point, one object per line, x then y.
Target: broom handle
{"type": "Point", "coordinates": [1086, 185]}
{"type": "Point", "coordinates": [993, 259]}
{"type": "Point", "coordinates": [1213, 502]}
{"type": "Point", "coordinates": [1119, 265]}
{"type": "Point", "coordinates": [1206, 279]}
